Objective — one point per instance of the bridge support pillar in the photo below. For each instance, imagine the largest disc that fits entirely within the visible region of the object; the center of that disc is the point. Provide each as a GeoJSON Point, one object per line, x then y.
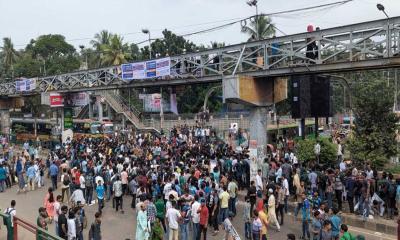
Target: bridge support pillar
{"type": "Point", "coordinates": [258, 131]}
{"type": "Point", "coordinates": [5, 121]}
{"type": "Point", "coordinates": [90, 110]}
{"type": "Point", "coordinates": [100, 110]}
{"type": "Point", "coordinates": [109, 112]}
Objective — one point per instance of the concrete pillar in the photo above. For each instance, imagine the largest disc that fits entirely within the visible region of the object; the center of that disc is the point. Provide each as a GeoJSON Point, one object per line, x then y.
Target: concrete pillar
{"type": "Point", "coordinates": [123, 121]}
{"type": "Point", "coordinates": [100, 110]}
{"type": "Point", "coordinates": [258, 129]}
{"type": "Point", "coordinates": [109, 112]}
{"type": "Point", "coordinates": [90, 110]}
{"type": "Point", "coordinates": [5, 121]}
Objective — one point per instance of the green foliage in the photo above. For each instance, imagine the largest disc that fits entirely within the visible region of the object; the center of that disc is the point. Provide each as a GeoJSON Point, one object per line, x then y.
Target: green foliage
{"type": "Point", "coordinates": [374, 133]}
{"type": "Point", "coordinates": [170, 45]}
{"type": "Point", "coordinates": [115, 52]}
{"type": "Point", "coordinates": [27, 66]}
{"type": "Point", "coordinates": [19, 128]}
{"type": "Point", "coordinates": [192, 99]}
{"type": "Point", "coordinates": [305, 150]}
{"type": "Point", "coordinates": [262, 27]}
{"type": "Point", "coordinates": [54, 54]}
{"type": "Point", "coordinates": [9, 55]}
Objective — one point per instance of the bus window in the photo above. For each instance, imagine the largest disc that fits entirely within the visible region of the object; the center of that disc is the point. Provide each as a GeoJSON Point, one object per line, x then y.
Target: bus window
{"type": "Point", "coordinates": [95, 128]}
{"type": "Point", "coordinates": [108, 128]}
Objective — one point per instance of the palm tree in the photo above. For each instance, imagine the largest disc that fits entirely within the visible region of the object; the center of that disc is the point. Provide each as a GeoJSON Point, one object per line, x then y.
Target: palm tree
{"type": "Point", "coordinates": [9, 54]}
{"type": "Point", "coordinates": [116, 52]}
{"type": "Point", "coordinates": [100, 39]}
{"type": "Point", "coordinates": [262, 27]}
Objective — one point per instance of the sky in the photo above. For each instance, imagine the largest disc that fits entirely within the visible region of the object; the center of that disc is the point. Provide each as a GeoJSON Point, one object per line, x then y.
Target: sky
{"type": "Point", "coordinates": [79, 20]}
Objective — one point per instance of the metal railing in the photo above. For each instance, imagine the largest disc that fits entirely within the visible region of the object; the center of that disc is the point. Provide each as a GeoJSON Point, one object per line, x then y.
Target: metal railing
{"type": "Point", "coordinates": [40, 233]}
{"type": "Point", "coordinates": [366, 45]}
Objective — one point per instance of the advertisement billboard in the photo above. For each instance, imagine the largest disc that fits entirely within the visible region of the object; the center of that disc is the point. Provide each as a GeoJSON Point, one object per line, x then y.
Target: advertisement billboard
{"type": "Point", "coordinates": [56, 100]}
{"type": "Point", "coordinates": [68, 118]}
{"type": "Point", "coordinates": [25, 85]}
{"type": "Point", "coordinates": [149, 69]}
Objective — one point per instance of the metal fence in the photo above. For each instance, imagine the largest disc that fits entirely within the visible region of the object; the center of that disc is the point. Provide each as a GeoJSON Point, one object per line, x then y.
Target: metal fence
{"type": "Point", "coordinates": [12, 232]}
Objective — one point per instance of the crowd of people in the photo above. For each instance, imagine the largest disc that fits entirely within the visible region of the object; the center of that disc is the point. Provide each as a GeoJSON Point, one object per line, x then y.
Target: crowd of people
{"type": "Point", "coordinates": [184, 184]}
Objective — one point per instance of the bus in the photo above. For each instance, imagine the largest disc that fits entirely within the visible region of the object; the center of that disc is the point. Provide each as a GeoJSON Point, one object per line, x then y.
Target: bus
{"type": "Point", "coordinates": [88, 128]}
{"type": "Point", "coordinates": [24, 129]}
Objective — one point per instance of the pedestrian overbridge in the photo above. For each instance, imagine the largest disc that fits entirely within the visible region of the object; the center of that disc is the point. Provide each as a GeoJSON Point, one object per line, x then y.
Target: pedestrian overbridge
{"type": "Point", "coordinates": [361, 46]}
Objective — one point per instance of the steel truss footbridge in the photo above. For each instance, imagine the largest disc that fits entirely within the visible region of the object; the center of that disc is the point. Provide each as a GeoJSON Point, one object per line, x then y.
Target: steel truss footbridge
{"type": "Point", "coordinates": [361, 46]}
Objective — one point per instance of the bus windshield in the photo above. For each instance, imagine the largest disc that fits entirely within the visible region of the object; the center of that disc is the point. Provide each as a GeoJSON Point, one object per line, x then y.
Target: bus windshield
{"type": "Point", "coordinates": [108, 128]}
{"type": "Point", "coordinates": [95, 128]}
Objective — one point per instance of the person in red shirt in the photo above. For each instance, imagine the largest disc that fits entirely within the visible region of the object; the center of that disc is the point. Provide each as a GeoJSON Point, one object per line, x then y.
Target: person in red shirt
{"type": "Point", "coordinates": [77, 176]}
{"type": "Point", "coordinates": [203, 210]}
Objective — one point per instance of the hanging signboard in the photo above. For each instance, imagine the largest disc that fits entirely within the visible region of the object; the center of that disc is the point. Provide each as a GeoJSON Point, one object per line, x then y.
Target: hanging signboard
{"type": "Point", "coordinates": [149, 69]}
{"type": "Point", "coordinates": [25, 85]}
{"type": "Point", "coordinates": [80, 99]}
{"type": "Point", "coordinates": [56, 100]}
{"type": "Point", "coordinates": [67, 118]}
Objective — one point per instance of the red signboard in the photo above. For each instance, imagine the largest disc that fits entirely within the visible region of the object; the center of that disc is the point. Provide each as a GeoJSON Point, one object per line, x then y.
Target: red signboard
{"type": "Point", "coordinates": [56, 100]}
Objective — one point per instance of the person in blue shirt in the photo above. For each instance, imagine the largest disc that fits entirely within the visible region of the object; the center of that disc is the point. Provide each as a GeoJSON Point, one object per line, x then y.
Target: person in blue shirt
{"type": "Point", "coordinates": [3, 176]}
{"type": "Point", "coordinates": [305, 216]}
{"type": "Point", "coordinates": [53, 170]}
{"type": "Point", "coordinates": [100, 195]}
{"type": "Point", "coordinates": [336, 222]}
{"type": "Point", "coordinates": [20, 174]}
{"type": "Point", "coordinates": [31, 173]}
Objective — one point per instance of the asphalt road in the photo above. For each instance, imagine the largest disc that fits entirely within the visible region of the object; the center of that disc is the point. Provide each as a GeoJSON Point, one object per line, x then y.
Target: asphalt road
{"type": "Point", "coordinates": [117, 226]}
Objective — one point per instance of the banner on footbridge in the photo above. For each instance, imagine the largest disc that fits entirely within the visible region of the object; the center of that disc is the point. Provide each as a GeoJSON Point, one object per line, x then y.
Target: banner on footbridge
{"type": "Point", "coordinates": [149, 69]}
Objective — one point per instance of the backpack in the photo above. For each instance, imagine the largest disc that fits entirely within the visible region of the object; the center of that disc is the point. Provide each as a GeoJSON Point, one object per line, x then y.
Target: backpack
{"type": "Point", "coordinates": [66, 180]}
{"type": "Point", "coordinates": [7, 220]}
{"type": "Point", "coordinates": [89, 181]}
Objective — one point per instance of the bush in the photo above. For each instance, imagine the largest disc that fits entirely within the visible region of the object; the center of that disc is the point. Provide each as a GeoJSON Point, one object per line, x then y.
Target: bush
{"type": "Point", "coordinates": [305, 151]}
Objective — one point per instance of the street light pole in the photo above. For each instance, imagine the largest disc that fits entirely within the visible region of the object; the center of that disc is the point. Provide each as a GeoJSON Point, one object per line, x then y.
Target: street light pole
{"type": "Point", "coordinates": [253, 3]}
{"type": "Point", "coordinates": [147, 31]}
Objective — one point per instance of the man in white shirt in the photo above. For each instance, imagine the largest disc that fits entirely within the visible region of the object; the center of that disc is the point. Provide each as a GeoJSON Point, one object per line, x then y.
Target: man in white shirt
{"type": "Point", "coordinates": [82, 182]}
{"type": "Point", "coordinates": [285, 185]}
{"type": "Point", "coordinates": [259, 181]}
{"type": "Point", "coordinates": [172, 217]}
{"type": "Point", "coordinates": [76, 196]}
{"type": "Point", "coordinates": [196, 216]}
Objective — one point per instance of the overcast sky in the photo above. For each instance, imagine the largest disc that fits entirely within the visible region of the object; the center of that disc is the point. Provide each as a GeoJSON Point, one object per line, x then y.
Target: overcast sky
{"type": "Point", "coordinates": [79, 20]}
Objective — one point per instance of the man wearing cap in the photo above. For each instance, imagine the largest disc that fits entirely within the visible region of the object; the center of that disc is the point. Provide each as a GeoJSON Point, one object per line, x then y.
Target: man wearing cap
{"type": "Point", "coordinates": [271, 210]}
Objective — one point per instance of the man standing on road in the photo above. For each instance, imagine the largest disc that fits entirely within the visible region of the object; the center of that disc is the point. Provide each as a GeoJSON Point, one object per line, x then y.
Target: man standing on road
{"type": "Point", "coordinates": [9, 221]}
{"type": "Point", "coordinates": [62, 223]}
{"type": "Point", "coordinates": [271, 210]}
{"type": "Point", "coordinates": [95, 230]}
{"type": "Point", "coordinates": [53, 170]}
{"type": "Point", "coordinates": [118, 192]}
{"type": "Point", "coordinates": [100, 195]}
{"type": "Point", "coordinates": [173, 216]}
{"type": "Point", "coordinates": [232, 189]}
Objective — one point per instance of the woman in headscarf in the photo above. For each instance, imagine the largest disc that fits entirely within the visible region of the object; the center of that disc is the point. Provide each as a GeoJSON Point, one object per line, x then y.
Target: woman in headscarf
{"type": "Point", "coordinates": [142, 231]}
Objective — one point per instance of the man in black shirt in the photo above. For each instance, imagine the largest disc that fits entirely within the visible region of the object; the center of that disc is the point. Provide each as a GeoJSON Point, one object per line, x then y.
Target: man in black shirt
{"type": "Point", "coordinates": [62, 223]}
{"type": "Point", "coordinates": [252, 193]}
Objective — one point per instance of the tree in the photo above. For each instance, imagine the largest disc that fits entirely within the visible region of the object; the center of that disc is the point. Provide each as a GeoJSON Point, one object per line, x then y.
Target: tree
{"type": "Point", "coordinates": [171, 44]}
{"type": "Point", "coordinates": [305, 151]}
{"type": "Point", "coordinates": [55, 54]}
{"type": "Point", "coordinates": [115, 52]}
{"type": "Point", "coordinates": [374, 133]}
{"type": "Point", "coordinates": [9, 55]}
{"type": "Point", "coordinates": [100, 39]}
{"type": "Point", "coordinates": [262, 27]}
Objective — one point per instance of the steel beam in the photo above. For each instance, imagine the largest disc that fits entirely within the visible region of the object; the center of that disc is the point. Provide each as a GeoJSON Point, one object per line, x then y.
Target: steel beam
{"type": "Point", "coordinates": [361, 46]}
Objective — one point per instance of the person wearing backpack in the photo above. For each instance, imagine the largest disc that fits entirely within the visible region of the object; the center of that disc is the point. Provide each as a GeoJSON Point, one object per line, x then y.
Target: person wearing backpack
{"type": "Point", "coordinates": [65, 180]}
{"type": "Point", "coordinates": [89, 187]}
{"type": "Point", "coordinates": [9, 221]}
